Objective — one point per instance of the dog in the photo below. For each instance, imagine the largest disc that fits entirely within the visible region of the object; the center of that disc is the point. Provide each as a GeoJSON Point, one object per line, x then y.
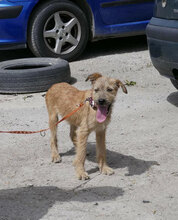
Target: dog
{"type": "Point", "coordinates": [62, 98]}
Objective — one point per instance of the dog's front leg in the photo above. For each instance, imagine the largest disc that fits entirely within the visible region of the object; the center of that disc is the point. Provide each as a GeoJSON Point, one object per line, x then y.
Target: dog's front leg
{"type": "Point", "coordinates": [101, 153]}
{"type": "Point", "coordinates": [79, 161]}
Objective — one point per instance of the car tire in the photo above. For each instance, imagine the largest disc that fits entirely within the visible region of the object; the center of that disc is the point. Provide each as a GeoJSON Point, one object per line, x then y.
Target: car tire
{"type": "Point", "coordinates": [32, 74]}
{"type": "Point", "coordinates": [58, 29]}
{"type": "Point", "coordinates": [175, 83]}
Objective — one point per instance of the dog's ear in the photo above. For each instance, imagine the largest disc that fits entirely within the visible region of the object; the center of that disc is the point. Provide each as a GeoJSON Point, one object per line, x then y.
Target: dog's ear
{"type": "Point", "coordinates": [93, 77]}
{"type": "Point", "coordinates": [119, 83]}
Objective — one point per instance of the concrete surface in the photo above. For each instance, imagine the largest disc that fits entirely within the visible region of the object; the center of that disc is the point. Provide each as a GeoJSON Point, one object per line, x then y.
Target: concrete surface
{"type": "Point", "coordinates": [141, 147]}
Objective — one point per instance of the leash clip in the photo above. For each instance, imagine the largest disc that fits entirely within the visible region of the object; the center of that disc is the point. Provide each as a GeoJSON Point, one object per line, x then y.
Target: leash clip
{"type": "Point", "coordinates": [42, 133]}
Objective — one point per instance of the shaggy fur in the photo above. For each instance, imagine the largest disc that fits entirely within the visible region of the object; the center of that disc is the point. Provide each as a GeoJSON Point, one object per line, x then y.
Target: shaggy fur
{"type": "Point", "coordinates": [62, 98]}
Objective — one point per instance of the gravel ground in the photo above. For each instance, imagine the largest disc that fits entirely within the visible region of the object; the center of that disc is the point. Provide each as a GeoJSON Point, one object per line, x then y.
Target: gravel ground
{"type": "Point", "coordinates": [141, 147]}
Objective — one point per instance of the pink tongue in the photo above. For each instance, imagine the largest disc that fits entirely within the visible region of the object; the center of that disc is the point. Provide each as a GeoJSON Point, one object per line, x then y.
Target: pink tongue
{"type": "Point", "coordinates": [101, 113]}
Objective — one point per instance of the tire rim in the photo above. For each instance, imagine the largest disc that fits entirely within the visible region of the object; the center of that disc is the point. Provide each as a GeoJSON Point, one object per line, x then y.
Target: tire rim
{"type": "Point", "coordinates": [62, 32]}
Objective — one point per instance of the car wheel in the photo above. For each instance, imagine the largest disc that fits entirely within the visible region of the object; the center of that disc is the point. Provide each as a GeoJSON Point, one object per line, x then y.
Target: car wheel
{"type": "Point", "coordinates": [32, 74]}
{"type": "Point", "coordinates": [58, 29]}
{"type": "Point", "coordinates": [175, 83]}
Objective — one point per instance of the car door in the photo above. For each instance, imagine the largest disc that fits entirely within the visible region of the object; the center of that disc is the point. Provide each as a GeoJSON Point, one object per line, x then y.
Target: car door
{"type": "Point", "coordinates": [125, 11]}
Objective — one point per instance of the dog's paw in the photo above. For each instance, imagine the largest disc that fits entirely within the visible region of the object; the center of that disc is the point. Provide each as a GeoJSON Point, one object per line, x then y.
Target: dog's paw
{"type": "Point", "coordinates": [83, 176]}
{"type": "Point", "coordinates": [56, 158]}
{"type": "Point", "coordinates": [107, 170]}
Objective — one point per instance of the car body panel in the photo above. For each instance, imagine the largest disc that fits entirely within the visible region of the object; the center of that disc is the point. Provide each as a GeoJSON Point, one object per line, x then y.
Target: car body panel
{"type": "Point", "coordinates": [14, 30]}
{"type": "Point", "coordinates": [162, 32]}
{"type": "Point", "coordinates": [109, 19]}
{"type": "Point", "coordinates": [109, 23]}
{"type": "Point", "coordinates": [119, 12]}
{"type": "Point", "coordinates": [170, 11]}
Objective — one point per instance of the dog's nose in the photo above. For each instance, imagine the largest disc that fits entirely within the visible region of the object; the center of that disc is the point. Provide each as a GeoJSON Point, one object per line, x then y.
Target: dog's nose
{"type": "Point", "coordinates": [101, 101]}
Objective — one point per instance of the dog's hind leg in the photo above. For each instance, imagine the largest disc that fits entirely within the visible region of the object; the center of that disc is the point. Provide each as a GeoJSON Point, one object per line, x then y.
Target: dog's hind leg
{"type": "Point", "coordinates": [73, 134]}
{"type": "Point", "coordinates": [53, 118]}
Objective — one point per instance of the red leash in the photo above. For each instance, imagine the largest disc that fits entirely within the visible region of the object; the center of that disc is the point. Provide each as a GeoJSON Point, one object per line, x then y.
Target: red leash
{"type": "Point", "coordinates": [43, 130]}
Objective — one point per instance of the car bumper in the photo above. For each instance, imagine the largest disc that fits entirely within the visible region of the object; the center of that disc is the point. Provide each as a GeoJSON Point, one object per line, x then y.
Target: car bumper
{"type": "Point", "coordinates": [163, 46]}
{"type": "Point", "coordinates": [14, 16]}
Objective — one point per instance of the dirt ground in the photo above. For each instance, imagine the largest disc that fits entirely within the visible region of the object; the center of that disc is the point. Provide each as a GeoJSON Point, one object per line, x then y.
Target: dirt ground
{"type": "Point", "coordinates": [141, 147]}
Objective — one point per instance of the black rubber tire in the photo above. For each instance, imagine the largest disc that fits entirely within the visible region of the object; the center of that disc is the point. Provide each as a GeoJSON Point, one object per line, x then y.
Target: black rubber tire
{"type": "Point", "coordinates": [32, 74]}
{"type": "Point", "coordinates": [38, 19]}
{"type": "Point", "coordinates": [175, 83]}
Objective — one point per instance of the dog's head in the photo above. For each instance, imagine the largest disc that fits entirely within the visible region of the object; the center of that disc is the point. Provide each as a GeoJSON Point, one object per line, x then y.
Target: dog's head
{"type": "Point", "coordinates": [104, 93]}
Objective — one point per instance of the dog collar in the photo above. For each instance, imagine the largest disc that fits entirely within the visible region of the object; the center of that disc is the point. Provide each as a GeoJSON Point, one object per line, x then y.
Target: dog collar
{"type": "Point", "coordinates": [91, 102]}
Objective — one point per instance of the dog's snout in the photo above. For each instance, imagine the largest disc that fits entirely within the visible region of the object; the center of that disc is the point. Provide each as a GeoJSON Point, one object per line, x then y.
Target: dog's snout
{"type": "Point", "coordinates": [101, 101]}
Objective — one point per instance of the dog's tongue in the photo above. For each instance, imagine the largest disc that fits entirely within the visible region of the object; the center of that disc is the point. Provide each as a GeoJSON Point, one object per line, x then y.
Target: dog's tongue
{"type": "Point", "coordinates": [101, 113]}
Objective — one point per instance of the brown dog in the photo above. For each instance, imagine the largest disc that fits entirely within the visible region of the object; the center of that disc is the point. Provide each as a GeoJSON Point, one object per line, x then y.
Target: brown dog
{"type": "Point", "coordinates": [62, 98]}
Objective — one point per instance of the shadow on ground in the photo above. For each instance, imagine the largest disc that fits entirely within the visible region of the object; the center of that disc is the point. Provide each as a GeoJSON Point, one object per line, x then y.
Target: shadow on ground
{"type": "Point", "coordinates": [94, 49]}
{"type": "Point", "coordinates": [34, 202]}
{"type": "Point", "coordinates": [173, 98]}
{"type": "Point", "coordinates": [115, 160]}
{"type": "Point", "coordinates": [115, 46]}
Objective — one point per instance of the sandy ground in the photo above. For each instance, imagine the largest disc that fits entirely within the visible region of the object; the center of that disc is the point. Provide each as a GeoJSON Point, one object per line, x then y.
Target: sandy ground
{"type": "Point", "coordinates": [141, 147]}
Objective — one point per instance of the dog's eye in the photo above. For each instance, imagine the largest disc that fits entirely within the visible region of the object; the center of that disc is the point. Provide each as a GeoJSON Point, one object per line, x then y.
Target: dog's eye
{"type": "Point", "coordinates": [96, 90]}
{"type": "Point", "coordinates": [109, 90]}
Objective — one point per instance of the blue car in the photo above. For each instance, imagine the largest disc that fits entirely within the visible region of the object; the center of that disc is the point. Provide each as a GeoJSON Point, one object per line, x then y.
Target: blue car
{"type": "Point", "coordinates": [62, 28]}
